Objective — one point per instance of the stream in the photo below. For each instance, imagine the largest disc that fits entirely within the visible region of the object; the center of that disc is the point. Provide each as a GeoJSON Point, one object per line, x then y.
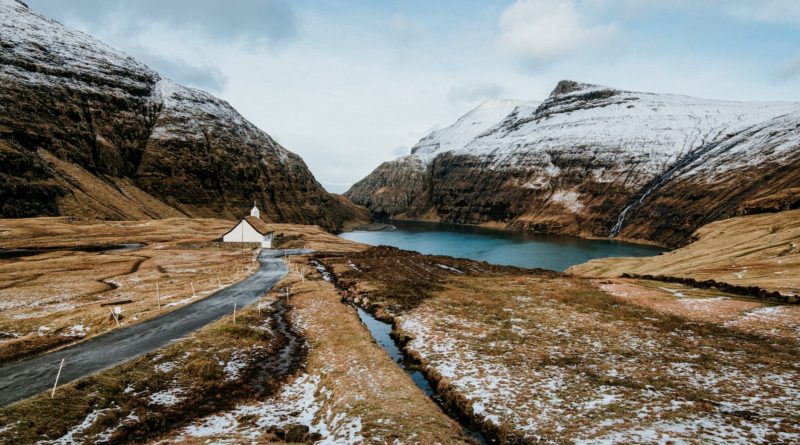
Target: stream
{"type": "Point", "coordinates": [381, 332]}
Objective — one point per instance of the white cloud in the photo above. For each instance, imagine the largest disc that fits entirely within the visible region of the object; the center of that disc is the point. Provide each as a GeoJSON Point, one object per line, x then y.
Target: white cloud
{"type": "Point", "coordinates": [771, 11]}
{"type": "Point", "coordinates": [475, 92]}
{"type": "Point", "coordinates": [540, 31]}
{"type": "Point", "coordinates": [789, 70]}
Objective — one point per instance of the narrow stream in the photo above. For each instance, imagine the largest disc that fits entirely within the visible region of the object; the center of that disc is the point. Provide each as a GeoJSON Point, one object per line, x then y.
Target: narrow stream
{"type": "Point", "coordinates": [381, 331]}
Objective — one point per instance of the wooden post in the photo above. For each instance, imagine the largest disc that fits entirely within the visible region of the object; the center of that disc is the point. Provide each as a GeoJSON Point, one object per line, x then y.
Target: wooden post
{"type": "Point", "coordinates": [158, 295]}
{"type": "Point", "coordinates": [219, 282]}
{"type": "Point", "coordinates": [194, 295]}
{"type": "Point", "coordinates": [53, 394]}
{"type": "Point", "coordinates": [234, 313]}
{"type": "Point", "coordinates": [115, 316]}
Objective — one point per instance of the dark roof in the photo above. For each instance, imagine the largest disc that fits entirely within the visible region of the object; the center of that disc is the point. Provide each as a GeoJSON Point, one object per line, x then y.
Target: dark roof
{"type": "Point", "coordinates": [258, 224]}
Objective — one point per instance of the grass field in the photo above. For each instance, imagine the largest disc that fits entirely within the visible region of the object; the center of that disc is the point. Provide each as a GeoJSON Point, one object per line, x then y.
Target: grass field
{"type": "Point", "coordinates": [351, 391]}
{"type": "Point", "coordinates": [531, 355]}
{"type": "Point", "coordinates": [56, 298]}
{"type": "Point", "coordinates": [759, 250]}
{"type": "Point", "coordinates": [544, 356]}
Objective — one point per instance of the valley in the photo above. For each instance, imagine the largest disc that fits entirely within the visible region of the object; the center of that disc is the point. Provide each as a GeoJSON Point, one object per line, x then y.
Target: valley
{"type": "Point", "coordinates": [602, 266]}
{"type": "Point", "coordinates": [466, 324]}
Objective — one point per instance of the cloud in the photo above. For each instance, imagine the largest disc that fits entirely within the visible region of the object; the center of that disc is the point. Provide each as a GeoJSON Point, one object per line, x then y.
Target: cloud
{"type": "Point", "coordinates": [475, 93]}
{"type": "Point", "coordinates": [540, 31]}
{"type": "Point", "coordinates": [770, 11]}
{"type": "Point", "coordinates": [256, 21]}
{"type": "Point", "coordinates": [206, 77]}
{"type": "Point", "coordinates": [400, 150]}
{"type": "Point", "coordinates": [789, 70]}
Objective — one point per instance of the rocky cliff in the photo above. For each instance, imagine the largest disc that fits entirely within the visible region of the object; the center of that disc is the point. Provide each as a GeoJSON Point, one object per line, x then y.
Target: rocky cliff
{"type": "Point", "coordinates": [86, 130]}
{"type": "Point", "coordinates": [598, 161]}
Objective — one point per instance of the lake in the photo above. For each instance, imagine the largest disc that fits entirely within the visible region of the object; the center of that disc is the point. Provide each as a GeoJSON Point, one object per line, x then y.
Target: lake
{"type": "Point", "coordinates": [523, 249]}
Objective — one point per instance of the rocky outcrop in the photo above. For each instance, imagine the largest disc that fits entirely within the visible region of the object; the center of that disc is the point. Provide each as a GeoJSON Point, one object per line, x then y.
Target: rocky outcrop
{"type": "Point", "coordinates": [598, 161]}
{"type": "Point", "coordinates": [86, 130]}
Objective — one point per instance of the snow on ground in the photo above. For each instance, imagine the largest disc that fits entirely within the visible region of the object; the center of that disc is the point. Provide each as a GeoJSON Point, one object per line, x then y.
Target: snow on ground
{"type": "Point", "coordinates": [167, 397]}
{"type": "Point", "coordinates": [234, 366]}
{"type": "Point", "coordinates": [563, 373]}
{"type": "Point", "coordinates": [297, 404]}
{"type": "Point", "coordinates": [75, 435]}
{"type": "Point", "coordinates": [451, 269]}
{"type": "Point", "coordinates": [78, 330]}
{"type": "Point", "coordinates": [166, 367]}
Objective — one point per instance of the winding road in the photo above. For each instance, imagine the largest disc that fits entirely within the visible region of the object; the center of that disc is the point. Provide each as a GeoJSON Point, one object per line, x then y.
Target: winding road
{"type": "Point", "coordinates": [25, 378]}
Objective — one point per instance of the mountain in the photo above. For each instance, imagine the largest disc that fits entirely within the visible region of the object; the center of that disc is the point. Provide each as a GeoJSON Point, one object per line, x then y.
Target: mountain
{"type": "Point", "coordinates": [597, 162]}
{"type": "Point", "coordinates": [86, 130]}
{"type": "Point", "coordinates": [394, 185]}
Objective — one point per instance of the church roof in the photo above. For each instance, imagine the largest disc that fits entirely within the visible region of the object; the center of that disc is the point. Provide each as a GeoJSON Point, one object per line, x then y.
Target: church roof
{"type": "Point", "coordinates": [258, 224]}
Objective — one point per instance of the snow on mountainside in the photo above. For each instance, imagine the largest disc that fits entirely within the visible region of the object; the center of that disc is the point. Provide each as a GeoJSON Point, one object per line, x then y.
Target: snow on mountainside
{"type": "Point", "coordinates": [86, 130]}
{"type": "Point", "coordinates": [62, 55]}
{"type": "Point", "coordinates": [466, 128]}
{"type": "Point", "coordinates": [656, 129]}
{"type": "Point", "coordinates": [598, 161]}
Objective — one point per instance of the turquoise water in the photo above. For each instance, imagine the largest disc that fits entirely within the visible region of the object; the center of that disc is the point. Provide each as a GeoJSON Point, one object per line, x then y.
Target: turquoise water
{"type": "Point", "coordinates": [523, 249]}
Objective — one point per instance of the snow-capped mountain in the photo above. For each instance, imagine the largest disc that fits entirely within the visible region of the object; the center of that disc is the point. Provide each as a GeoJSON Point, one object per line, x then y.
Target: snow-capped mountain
{"type": "Point", "coordinates": [87, 130]}
{"type": "Point", "coordinates": [466, 128]}
{"type": "Point", "coordinates": [597, 161]}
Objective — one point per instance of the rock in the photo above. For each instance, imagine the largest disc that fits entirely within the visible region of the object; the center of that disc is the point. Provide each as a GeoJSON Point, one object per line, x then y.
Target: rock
{"type": "Point", "coordinates": [596, 161]}
{"type": "Point", "coordinates": [86, 130]}
{"type": "Point", "coordinates": [296, 434]}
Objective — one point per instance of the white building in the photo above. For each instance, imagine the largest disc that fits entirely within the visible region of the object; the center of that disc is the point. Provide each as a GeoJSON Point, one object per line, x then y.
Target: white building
{"type": "Point", "coordinates": [250, 230]}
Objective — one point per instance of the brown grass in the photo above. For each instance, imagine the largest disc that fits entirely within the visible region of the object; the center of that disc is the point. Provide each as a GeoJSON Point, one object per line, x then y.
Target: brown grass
{"type": "Point", "coordinates": [55, 298]}
{"type": "Point", "coordinates": [758, 250]}
{"type": "Point", "coordinates": [356, 378]}
{"type": "Point", "coordinates": [119, 404]}
{"type": "Point", "coordinates": [751, 315]}
{"type": "Point", "coordinates": [362, 378]}
{"type": "Point", "coordinates": [555, 357]}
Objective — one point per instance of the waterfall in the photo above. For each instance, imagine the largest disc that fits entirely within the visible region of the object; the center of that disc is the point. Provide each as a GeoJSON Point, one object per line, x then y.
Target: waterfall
{"type": "Point", "coordinates": [679, 164]}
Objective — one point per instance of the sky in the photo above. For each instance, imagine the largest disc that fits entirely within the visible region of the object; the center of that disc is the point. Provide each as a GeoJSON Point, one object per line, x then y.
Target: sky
{"type": "Point", "coordinates": [349, 84]}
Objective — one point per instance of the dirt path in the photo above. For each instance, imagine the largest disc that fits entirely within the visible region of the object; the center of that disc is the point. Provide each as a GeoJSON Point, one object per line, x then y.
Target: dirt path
{"type": "Point", "coordinates": [25, 378]}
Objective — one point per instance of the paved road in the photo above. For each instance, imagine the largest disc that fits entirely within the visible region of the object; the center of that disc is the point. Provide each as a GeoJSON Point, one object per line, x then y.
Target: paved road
{"type": "Point", "coordinates": [25, 378]}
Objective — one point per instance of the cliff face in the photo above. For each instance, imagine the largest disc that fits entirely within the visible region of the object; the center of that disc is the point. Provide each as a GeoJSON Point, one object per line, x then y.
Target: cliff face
{"type": "Point", "coordinates": [597, 161]}
{"type": "Point", "coordinates": [86, 130]}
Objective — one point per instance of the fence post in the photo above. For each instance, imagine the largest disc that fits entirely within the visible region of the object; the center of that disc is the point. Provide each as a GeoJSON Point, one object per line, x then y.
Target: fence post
{"type": "Point", "coordinates": [114, 315]}
{"type": "Point", "coordinates": [158, 295]}
{"type": "Point", "coordinates": [53, 394]}
{"type": "Point", "coordinates": [194, 295]}
{"type": "Point", "coordinates": [234, 313]}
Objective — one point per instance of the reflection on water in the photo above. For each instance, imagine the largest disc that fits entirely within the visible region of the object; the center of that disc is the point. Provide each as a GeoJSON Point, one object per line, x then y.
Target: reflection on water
{"type": "Point", "coordinates": [381, 333]}
{"type": "Point", "coordinates": [523, 249]}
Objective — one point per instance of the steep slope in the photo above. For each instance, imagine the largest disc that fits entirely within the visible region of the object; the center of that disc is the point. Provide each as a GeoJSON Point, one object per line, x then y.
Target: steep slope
{"type": "Point", "coordinates": [597, 161]}
{"type": "Point", "coordinates": [86, 130]}
{"type": "Point", "coordinates": [394, 185]}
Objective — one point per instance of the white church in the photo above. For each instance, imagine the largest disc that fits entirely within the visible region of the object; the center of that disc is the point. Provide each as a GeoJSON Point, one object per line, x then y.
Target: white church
{"type": "Point", "coordinates": [251, 229]}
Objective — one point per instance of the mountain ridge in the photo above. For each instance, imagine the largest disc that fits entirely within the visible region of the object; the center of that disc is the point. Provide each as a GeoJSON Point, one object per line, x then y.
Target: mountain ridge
{"type": "Point", "coordinates": [86, 130]}
{"type": "Point", "coordinates": [597, 161]}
